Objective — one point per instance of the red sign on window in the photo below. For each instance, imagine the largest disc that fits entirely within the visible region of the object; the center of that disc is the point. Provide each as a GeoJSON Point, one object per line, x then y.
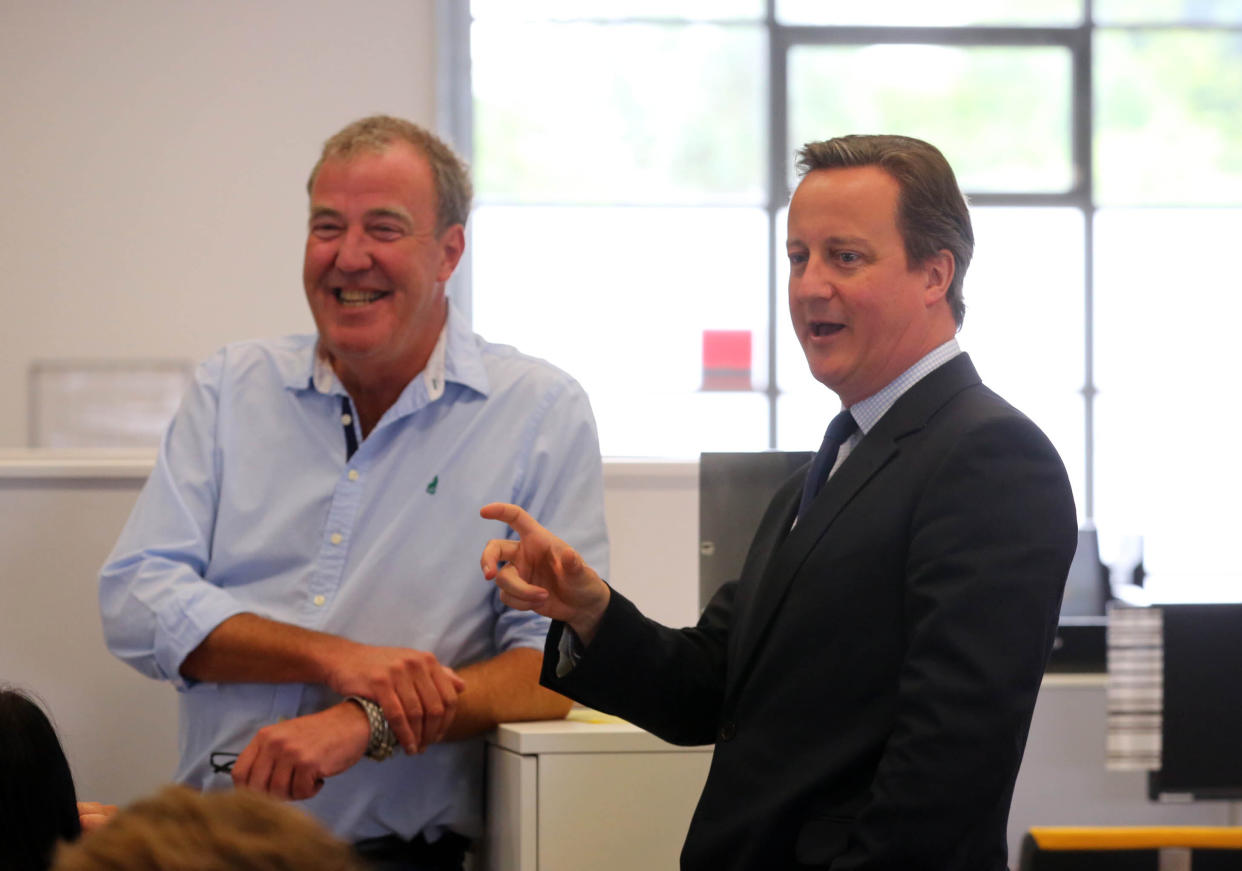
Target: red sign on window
{"type": "Point", "coordinates": [726, 360]}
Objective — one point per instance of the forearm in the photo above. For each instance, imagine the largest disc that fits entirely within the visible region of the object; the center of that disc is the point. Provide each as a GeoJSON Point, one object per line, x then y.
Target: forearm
{"type": "Point", "coordinates": [502, 690]}
{"type": "Point", "coordinates": [252, 649]}
{"type": "Point", "coordinates": [668, 681]}
{"type": "Point", "coordinates": [418, 694]}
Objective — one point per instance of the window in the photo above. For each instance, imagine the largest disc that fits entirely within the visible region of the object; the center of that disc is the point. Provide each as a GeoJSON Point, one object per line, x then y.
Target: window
{"type": "Point", "coordinates": [633, 161]}
{"type": "Point", "coordinates": [624, 213]}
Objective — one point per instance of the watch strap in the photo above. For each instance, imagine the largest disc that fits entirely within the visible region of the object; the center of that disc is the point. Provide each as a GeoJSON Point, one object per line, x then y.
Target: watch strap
{"type": "Point", "coordinates": [382, 742]}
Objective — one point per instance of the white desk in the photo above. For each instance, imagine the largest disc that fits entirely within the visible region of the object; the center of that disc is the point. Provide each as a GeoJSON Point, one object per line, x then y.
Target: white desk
{"type": "Point", "coordinates": [569, 794]}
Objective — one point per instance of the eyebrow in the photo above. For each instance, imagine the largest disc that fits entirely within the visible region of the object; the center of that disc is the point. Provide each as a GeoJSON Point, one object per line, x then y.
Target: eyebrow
{"type": "Point", "coordinates": [395, 214]}
{"type": "Point", "coordinates": [856, 241]}
{"type": "Point", "coordinates": [323, 212]}
{"type": "Point", "coordinates": [833, 241]}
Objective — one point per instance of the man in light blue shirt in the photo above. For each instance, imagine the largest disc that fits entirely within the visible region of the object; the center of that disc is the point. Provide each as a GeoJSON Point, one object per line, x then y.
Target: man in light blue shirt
{"type": "Point", "coordinates": [301, 565]}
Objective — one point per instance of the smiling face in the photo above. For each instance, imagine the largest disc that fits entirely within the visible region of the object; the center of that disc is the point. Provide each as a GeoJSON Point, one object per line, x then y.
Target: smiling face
{"type": "Point", "coordinates": [375, 265]}
{"type": "Point", "coordinates": [862, 314]}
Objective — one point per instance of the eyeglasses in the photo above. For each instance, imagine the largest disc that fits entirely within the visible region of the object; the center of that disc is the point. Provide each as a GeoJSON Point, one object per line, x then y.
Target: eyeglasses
{"type": "Point", "coordinates": [222, 761]}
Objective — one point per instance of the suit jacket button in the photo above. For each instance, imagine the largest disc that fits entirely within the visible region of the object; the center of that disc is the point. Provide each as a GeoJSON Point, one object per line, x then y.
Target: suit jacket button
{"type": "Point", "coordinates": [727, 730]}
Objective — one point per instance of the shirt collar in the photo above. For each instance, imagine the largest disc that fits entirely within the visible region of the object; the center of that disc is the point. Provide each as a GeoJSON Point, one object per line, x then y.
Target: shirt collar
{"type": "Point", "coordinates": [323, 379]}
{"type": "Point", "coordinates": [867, 412]}
{"type": "Point", "coordinates": [463, 359]}
{"type": "Point", "coordinates": [455, 358]}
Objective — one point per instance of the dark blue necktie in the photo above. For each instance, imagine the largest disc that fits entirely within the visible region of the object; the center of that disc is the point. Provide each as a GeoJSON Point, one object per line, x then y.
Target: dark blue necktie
{"type": "Point", "coordinates": [841, 428]}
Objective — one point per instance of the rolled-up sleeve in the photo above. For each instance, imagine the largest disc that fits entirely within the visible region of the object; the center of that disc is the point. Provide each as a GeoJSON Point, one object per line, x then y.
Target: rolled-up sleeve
{"type": "Point", "coordinates": [155, 605]}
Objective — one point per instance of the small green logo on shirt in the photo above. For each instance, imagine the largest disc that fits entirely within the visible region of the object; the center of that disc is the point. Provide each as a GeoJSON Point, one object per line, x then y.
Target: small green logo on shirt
{"type": "Point", "coordinates": [431, 488]}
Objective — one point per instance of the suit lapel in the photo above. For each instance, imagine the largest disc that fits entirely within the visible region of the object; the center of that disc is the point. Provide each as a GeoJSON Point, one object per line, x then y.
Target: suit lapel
{"type": "Point", "coordinates": [768, 538]}
{"type": "Point", "coordinates": [778, 557]}
{"type": "Point", "coordinates": [789, 554]}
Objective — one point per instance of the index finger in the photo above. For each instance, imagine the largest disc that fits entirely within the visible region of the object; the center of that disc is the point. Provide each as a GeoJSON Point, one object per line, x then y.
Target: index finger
{"type": "Point", "coordinates": [513, 515]}
{"type": "Point", "coordinates": [496, 551]}
{"type": "Point", "coordinates": [255, 772]}
{"type": "Point", "coordinates": [404, 713]}
{"type": "Point", "coordinates": [241, 766]}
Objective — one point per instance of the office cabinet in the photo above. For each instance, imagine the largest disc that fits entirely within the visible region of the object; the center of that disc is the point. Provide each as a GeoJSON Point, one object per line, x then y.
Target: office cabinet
{"type": "Point", "coordinates": [571, 794]}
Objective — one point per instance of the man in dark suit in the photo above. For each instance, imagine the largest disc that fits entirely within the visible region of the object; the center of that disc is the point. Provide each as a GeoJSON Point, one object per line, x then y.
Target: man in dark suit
{"type": "Point", "coordinates": [869, 680]}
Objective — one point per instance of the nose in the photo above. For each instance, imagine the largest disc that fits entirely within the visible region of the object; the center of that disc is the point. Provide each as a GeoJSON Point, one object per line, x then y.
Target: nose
{"type": "Point", "coordinates": [354, 254]}
{"type": "Point", "coordinates": [815, 282]}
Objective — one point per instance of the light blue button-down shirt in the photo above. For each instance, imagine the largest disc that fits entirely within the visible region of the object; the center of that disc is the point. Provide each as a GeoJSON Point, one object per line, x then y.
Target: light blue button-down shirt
{"type": "Point", "coordinates": [253, 507]}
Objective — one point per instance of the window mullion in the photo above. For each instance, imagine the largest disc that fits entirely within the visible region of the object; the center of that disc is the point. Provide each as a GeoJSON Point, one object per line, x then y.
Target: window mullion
{"type": "Point", "coordinates": [778, 150]}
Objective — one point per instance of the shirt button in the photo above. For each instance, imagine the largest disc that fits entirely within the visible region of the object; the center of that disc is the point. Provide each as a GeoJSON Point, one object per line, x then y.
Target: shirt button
{"type": "Point", "coordinates": [353, 474]}
{"type": "Point", "coordinates": [336, 538]}
{"type": "Point", "coordinates": [319, 600]}
{"type": "Point", "coordinates": [727, 730]}
{"type": "Point", "coordinates": [347, 419]}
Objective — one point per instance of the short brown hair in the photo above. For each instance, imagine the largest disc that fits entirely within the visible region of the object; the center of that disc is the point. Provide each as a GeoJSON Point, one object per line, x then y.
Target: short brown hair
{"type": "Point", "coordinates": [932, 214]}
{"type": "Point", "coordinates": [378, 132]}
{"type": "Point", "coordinates": [179, 829]}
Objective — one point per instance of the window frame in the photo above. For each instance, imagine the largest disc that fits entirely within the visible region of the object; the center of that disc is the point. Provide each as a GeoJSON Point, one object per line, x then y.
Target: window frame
{"type": "Point", "coordinates": [456, 108]}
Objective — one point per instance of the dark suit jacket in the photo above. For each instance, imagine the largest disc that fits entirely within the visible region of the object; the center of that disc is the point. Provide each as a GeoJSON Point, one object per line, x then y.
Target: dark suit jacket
{"type": "Point", "coordinates": [869, 680]}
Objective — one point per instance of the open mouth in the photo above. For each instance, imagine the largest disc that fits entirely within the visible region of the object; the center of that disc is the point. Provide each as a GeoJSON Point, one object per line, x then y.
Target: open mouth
{"type": "Point", "coordinates": [825, 328]}
{"type": "Point", "coordinates": [354, 297]}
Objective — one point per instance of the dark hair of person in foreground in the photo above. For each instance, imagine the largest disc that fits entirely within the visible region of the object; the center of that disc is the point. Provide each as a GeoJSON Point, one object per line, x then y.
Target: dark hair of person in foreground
{"type": "Point", "coordinates": [38, 805]}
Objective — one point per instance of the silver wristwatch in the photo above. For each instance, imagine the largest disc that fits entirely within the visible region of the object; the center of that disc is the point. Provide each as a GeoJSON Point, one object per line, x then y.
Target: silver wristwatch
{"type": "Point", "coordinates": [382, 741]}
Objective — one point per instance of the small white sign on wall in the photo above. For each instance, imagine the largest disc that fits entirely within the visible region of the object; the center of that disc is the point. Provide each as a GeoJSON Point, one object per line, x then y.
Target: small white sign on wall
{"type": "Point", "coordinates": [103, 403]}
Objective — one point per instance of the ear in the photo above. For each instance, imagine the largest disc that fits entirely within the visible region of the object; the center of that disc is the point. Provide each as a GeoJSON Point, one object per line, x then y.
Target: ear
{"type": "Point", "coordinates": [939, 270]}
{"type": "Point", "coordinates": [452, 244]}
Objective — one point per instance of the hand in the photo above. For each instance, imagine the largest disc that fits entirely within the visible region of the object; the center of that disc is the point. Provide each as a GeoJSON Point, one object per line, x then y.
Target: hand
{"type": "Point", "coordinates": [417, 693]}
{"type": "Point", "coordinates": [93, 814]}
{"type": "Point", "coordinates": [291, 759]}
{"type": "Point", "coordinates": [542, 573]}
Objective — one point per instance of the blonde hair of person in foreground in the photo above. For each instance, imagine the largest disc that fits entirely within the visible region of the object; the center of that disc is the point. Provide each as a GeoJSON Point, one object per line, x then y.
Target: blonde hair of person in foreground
{"type": "Point", "coordinates": [179, 829]}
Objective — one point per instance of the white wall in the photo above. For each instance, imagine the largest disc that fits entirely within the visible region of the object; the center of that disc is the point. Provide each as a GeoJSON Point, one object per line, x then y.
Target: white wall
{"type": "Point", "coordinates": [56, 526]}
{"type": "Point", "coordinates": [153, 160]}
{"type": "Point", "coordinates": [652, 510]}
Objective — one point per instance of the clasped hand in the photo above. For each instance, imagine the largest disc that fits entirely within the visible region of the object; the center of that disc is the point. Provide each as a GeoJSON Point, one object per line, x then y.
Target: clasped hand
{"type": "Point", "coordinates": [291, 759]}
{"type": "Point", "coordinates": [417, 693]}
{"type": "Point", "coordinates": [419, 696]}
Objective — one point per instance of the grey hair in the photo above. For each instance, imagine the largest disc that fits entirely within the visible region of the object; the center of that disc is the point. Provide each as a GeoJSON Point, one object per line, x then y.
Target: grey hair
{"type": "Point", "coordinates": [377, 133]}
